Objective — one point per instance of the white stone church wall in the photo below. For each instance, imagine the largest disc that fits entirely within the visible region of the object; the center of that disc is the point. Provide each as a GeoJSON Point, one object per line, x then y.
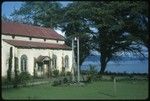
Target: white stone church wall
{"type": "Point", "coordinates": [30, 53]}
{"type": "Point", "coordinates": [5, 57]}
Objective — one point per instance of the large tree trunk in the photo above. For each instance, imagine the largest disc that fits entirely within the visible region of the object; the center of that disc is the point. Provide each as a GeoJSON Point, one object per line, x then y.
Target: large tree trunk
{"type": "Point", "coordinates": [103, 61]}
{"type": "Point", "coordinates": [103, 67]}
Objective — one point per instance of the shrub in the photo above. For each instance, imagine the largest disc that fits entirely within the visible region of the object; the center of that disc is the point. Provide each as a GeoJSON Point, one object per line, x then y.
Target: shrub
{"type": "Point", "coordinates": [89, 78]}
{"type": "Point", "coordinates": [112, 77]}
{"type": "Point", "coordinates": [68, 73]}
{"type": "Point", "coordinates": [92, 72]}
{"type": "Point", "coordinates": [24, 78]}
{"type": "Point", "coordinates": [56, 82]}
{"type": "Point", "coordinates": [5, 81]}
{"type": "Point", "coordinates": [56, 73]}
{"type": "Point", "coordinates": [62, 73]}
{"type": "Point", "coordinates": [131, 76]}
{"type": "Point", "coordinates": [100, 76]}
{"type": "Point", "coordinates": [9, 71]}
{"type": "Point", "coordinates": [35, 73]}
{"type": "Point", "coordinates": [65, 80]}
{"type": "Point", "coordinates": [84, 72]}
{"type": "Point", "coordinates": [9, 75]}
{"type": "Point", "coordinates": [15, 82]}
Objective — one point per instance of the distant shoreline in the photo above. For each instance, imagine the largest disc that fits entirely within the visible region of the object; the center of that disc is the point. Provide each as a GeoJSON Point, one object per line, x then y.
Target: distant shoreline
{"type": "Point", "coordinates": [135, 66]}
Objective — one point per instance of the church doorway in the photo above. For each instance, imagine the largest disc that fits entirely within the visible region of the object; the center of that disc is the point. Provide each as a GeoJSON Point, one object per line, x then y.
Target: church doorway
{"type": "Point", "coordinates": [44, 66]}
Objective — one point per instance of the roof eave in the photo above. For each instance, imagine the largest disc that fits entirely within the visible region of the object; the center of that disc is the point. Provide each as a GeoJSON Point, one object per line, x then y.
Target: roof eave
{"type": "Point", "coordinates": [34, 36]}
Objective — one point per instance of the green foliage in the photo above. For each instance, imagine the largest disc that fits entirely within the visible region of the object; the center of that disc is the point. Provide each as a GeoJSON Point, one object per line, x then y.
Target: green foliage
{"type": "Point", "coordinates": [112, 77]}
{"type": "Point", "coordinates": [62, 73]}
{"type": "Point", "coordinates": [68, 73]}
{"type": "Point", "coordinates": [5, 18]}
{"type": "Point", "coordinates": [49, 73]}
{"type": "Point", "coordinates": [92, 70]}
{"type": "Point", "coordinates": [131, 76]}
{"type": "Point", "coordinates": [56, 82]}
{"type": "Point", "coordinates": [92, 73]}
{"type": "Point", "coordinates": [56, 73]}
{"type": "Point", "coordinates": [65, 80]}
{"type": "Point", "coordinates": [100, 76]}
{"type": "Point", "coordinates": [9, 71]}
{"type": "Point", "coordinates": [88, 78]}
{"type": "Point", "coordinates": [16, 73]}
{"type": "Point", "coordinates": [60, 81]}
{"type": "Point", "coordinates": [35, 73]}
{"type": "Point", "coordinates": [9, 75]}
{"type": "Point", "coordinates": [110, 19]}
{"type": "Point", "coordinates": [6, 82]}
{"type": "Point", "coordinates": [24, 78]}
{"type": "Point", "coordinates": [33, 11]}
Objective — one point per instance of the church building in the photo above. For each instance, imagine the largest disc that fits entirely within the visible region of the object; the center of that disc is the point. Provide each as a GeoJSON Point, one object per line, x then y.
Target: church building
{"type": "Point", "coordinates": [33, 49]}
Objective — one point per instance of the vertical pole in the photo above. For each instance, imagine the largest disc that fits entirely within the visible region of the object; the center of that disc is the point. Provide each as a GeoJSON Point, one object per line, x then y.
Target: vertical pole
{"type": "Point", "coordinates": [78, 59]}
{"type": "Point", "coordinates": [114, 86]}
{"type": "Point", "coordinates": [73, 63]}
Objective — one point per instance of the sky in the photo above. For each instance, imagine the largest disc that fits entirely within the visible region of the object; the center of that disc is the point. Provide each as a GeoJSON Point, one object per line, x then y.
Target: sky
{"type": "Point", "coordinates": [8, 7]}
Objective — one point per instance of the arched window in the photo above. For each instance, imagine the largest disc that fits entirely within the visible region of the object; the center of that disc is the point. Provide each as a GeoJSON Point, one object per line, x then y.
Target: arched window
{"type": "Point", "coordinates": [66, 61]}
{"type": "Point", "coordinates": [54, 61]}
{"type": "Point", "coordinates": [23, 63]}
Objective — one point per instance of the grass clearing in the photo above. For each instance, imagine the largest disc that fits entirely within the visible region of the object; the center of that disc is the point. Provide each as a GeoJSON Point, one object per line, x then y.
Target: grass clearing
{"type": "Point", "coordinates": [96, 90]}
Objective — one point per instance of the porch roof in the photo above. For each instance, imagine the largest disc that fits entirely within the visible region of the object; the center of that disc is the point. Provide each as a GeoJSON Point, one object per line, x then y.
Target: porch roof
{"type": "Point", "coordinates": [42, 58]}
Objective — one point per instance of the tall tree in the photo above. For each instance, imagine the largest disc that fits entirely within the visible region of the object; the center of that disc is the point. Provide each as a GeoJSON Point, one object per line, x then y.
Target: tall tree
{"type": "Point", "coordinates": [44, 13]}
{"type": "Point", "coordinates": [5, 18]}
{"type": "Point", "coordinates": [74, 25]}
{"type": "Point", "coordinates": [121, 25]}
{"type": "Point", "coordinates": [137, 22]}
{"type": "Point", "coordinates": [115, 22]}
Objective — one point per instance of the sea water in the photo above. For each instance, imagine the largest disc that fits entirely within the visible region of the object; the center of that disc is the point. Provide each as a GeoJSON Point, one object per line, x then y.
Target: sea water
{"type": "Point", "coordinates": [132, 66]}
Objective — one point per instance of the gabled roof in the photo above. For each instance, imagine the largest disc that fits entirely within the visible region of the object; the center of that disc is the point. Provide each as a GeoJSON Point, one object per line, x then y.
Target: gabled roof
{"type": "Point", "coordinates": [13, 28]}
{"type": "Point", "coordinates": [38, 45]}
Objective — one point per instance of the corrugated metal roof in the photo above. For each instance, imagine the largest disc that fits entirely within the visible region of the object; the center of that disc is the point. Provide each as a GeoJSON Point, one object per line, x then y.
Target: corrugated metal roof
{"type": "Point", "coordinates": [13, 28]}
{"type": "Point", "coordinates": [39, 45]}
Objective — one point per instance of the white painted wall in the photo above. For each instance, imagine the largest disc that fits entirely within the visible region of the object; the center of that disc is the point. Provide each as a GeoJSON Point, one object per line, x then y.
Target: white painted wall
{"type": "Point", "coordinates": [31, 53]}
{"type": "Point", "coordinates": [5, 57]}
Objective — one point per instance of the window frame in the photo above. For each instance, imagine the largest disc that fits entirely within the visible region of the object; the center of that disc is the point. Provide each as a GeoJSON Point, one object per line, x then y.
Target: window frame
{"type": "Point", "coordinates": [54, 61]}
{"type": "Point", "coordinates": [66, 61]}
{"type": "Point", "coordinates": [24, 62]}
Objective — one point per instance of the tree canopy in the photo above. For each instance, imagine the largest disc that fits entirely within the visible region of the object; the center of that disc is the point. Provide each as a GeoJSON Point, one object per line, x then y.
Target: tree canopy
{"type": "Point", "coordinates": [110, 27]}
{"type": "Point", "coordinates": [45, 13]}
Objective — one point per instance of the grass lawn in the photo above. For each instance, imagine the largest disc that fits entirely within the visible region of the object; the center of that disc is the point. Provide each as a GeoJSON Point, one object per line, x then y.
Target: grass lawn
{"type": "Point", "coordinates": [95, 90]}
